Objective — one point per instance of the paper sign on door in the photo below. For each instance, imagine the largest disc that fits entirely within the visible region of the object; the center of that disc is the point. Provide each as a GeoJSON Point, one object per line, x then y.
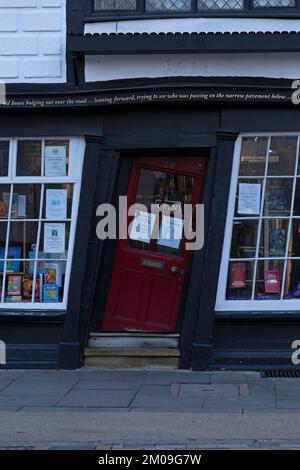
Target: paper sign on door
{"type": "Point", "coordinates": [170, 234]}
{"type": "Point", "coordinates": [142, 226]}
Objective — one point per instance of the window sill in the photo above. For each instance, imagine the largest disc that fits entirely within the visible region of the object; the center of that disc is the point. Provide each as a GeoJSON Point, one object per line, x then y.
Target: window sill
{"type": "Point", "coordinates": [32, 315]}
{"type": "Point", "coordinates": [257, 316]}
{"type": "Point", "coordinates": [266, 14]}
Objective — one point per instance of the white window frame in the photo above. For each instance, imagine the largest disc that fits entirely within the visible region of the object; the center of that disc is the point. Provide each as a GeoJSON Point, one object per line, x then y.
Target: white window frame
{"type": "Point", "coordinates": [222, 304]}
{"type": "Point", "coordinates": [76, 158]}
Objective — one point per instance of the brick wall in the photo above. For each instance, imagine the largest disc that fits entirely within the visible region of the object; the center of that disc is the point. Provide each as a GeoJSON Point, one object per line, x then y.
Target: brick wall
{"type": "Point", "coordinates": [32, 41]}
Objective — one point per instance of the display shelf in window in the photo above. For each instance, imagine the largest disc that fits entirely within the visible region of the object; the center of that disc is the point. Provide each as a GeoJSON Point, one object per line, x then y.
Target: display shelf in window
{"type": "Point", "coordinates": [38, 216]}
{"type": "Point", "coordinates": [263, 226]}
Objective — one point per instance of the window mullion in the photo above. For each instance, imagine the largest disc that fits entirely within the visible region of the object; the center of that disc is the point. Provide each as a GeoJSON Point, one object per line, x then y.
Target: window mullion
{"type": "Point", "coordinates": [141, 6]}
{"type": "Point", "coordinates": [290, 220]}
{"type": "Point", "coordinates": [7, 243]}
{"type": "Point", "coordinates": [247, 5]}
{"type": "Point", "coordinates": [260, 220]}
{"type": "Point", "coordinates": [37, 249]}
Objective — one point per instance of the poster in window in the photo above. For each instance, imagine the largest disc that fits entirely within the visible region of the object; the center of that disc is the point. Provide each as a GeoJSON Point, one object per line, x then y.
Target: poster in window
{"type": "Point", "coordinates": [237, 276]}
{"type": "Point", "coordinates": [55, 161]}
{"type": "Point", "coordinates": [54, 238]}
{"type": "Point", "coordinates": [249, 199]}
{"type": "Point", "coordinates": [56, 204]}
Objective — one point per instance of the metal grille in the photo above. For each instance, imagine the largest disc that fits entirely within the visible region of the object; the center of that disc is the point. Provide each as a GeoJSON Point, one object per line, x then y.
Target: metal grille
{"type": "Point", "coordinates": [273, 3]}
{"type": "Point", "coordinates": [281, 374]}
{"type": "Point", "coordinates": [115, 4]}
{"type": "Point", "coordinates": [220, 4]}
{"type": "Point", "coordinates": [168, 5]}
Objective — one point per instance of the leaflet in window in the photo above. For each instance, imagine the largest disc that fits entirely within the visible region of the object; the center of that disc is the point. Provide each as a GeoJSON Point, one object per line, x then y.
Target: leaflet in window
{"type": "Point", "coordinates": [249, 199]}
{"type": "Point", "coordinates": [277, 241]}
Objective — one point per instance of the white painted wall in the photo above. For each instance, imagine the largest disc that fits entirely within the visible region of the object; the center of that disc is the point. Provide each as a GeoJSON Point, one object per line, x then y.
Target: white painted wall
{"type": "Point", "coordinates": [274, 65]}
{"type": "Point", "coordinates": [194, 25]}
{"type": "Point", "coordinates": [33, 41]}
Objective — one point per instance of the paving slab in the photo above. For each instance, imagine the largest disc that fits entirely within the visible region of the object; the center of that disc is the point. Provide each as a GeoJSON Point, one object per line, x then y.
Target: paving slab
{"type": "Point", "coordinates": [204, 391]}
{"type": "Point", "coordinates": [109, 385]}
{"type": "Point", "coordinates": [163, 378]}
{"type": "Point", "coordinates": [225, 377]}
{"type": "Point", "coordinates": [288, 404]}
{"type": "Point", "coordinates": [98, 398]}
{"type": "Point", "coordinates": [70, 409]}
{"type": "Point", "coordinates": [4, 384]}
{"type": "Point", "coordinates": [113, 375]}
{"type": "Point", "coordinates": [38, 387]}
{"type": "Point", "coordinates": [29, 400]}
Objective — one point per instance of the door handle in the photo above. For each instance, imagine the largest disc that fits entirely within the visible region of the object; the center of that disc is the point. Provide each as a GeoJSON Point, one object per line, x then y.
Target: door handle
{"type": "Point", "coordinates": [174, 270]}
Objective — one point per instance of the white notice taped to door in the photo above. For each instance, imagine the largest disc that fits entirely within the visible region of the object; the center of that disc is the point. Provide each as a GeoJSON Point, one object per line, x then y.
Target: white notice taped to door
{"type": "Point", "coordinates": [170, 234]}
{"type": "Point", "coordinates": [142, 226]}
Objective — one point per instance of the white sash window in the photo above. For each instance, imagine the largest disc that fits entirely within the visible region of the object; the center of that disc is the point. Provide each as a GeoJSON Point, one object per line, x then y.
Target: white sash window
{"type": "Point", "coordinates": [40, 183]}
{"type": "Point", "coordinates": [260, 268]}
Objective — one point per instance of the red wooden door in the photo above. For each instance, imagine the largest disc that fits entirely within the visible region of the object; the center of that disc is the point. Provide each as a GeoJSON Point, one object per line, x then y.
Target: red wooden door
{"type": "Point", "coordinates": [147, 279]}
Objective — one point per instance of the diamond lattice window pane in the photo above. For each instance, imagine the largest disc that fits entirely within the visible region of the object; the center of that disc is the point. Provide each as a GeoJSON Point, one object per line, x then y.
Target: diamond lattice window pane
{"type": "Point", "coordinates": [168, 5]}
{"type": "Point", "coordinates": [273, 3]}
{"type": "Point", "coordinates": [115, 4]}
{"type": "Point", "coordinates": [220, 4]}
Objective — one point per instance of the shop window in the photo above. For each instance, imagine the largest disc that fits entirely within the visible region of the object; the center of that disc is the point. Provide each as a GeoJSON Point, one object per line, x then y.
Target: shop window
{"type": "Point", "coordinates": [39, 192]}
{"type": "Point", "coordinates": [157, 7]}
{"type": "Point", "coordinates": [260, 266]}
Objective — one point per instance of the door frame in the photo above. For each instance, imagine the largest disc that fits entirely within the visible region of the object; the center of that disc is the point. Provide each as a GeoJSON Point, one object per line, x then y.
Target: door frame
{"type": "Point", "coordinates": [104, 252]}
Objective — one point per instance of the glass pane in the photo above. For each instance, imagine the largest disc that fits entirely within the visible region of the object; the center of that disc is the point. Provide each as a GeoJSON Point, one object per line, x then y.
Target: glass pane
{"type": "Point", "coordinates": [167, 191]}
{"type": "Point", "coordinates": [26, 201]}
{"type": "Point", "coordinates": [56, 158]}
{"type": "Point", "coordinates": [296, 209]}
{"type": "Point", "coordinates": [294, 243]}
{"type": "Point", "coordinates": [50, 281]}
{"type": "Point", "coordinates": [240, 280]}
{"type": "Point", "coordinates": [150, 188]}
{"type": "Point", "coordinates": [4, 200]}
{"type": "Point", "coordinates": [115, 4]}
{"type": "Point", "coordinates": [273, 3]}
{"type": "Point", "coordinates": [58, 200]}
{"type": "Point", "coordinates": [282, 156]}
{"type": "Point", "coordinates": [248, 199]}
{"type": "Point", "coordinates": [4, 158]}
{"type": "Point", "coordinates": [54, 241]}
{"type": "Point", "coordinates": [278, 196]}
{"type": "Point", "coordinates": [22, 237]}
{"type": "Point", "coordinates": [253, 156]}
{"type": "Point", "coordinates": [269, 279]}
{"type": "Point", "coordinates": [29, 158]}
{"type": "Point", "coordinates": [168, 5]}
{"type": "Point", "coordinates": [244, 239]}
{"type": "Point", "coordinates": [3, 232]}
{"type": "Point", "coordinates": [292, 280]}
{"type": "Point", "coordinates": [273, 238]}
{"type": "Point", "coordinates": [220, 4]}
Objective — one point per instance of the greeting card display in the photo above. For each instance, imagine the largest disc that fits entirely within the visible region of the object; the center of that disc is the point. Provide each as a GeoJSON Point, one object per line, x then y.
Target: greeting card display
{"type": "Point", "coordinates": [272, 281]}
{"type": "Point", "coordinates": [237, 277]}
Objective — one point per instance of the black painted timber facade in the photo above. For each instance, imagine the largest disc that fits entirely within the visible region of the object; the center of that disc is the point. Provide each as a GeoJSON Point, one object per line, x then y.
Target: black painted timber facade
{"type": "Point", "coordinates": [119, 125]}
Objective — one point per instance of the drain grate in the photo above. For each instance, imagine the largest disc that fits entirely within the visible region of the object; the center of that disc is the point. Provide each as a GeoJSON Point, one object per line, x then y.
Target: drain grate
{"type": "Point", "coordinates": [281, 373]}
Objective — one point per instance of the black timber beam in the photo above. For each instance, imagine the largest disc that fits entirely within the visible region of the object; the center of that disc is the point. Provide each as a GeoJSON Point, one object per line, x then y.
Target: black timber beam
{"type": "Point", "coordinates": [91, 44]}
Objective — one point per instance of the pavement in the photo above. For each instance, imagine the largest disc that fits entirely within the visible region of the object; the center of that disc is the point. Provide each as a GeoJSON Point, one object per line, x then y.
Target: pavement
{"type": "Point", "coordinates": [147, 409]}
